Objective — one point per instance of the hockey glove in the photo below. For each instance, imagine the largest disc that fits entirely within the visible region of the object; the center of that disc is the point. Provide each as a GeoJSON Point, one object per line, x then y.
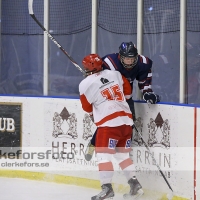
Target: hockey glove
{"type": "Point", "coordinates": [151, 97]}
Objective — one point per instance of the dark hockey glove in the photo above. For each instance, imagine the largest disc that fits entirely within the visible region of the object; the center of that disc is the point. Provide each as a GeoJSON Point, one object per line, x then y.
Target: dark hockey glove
{"type": "Point", "coordinates": [151, 97]}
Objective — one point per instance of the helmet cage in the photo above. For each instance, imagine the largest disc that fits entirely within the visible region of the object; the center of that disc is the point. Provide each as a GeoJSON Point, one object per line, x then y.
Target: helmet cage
{"type": "Point", "coordinates": [128, 66]}
{"type": "Point", "coordinates": [90, 72]}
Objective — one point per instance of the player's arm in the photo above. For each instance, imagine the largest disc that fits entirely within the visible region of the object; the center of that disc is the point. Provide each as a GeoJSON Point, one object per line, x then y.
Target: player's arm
{"type": "Point", "coordinates": [126, 88]}
{"type": "Point", "coordinates": [145, 81]}
{"type": "Point", "coordinates": [145, 76]}
{"type": "Point", "coordinates": [128, 95]}
{"type": "Point", "coordinates": [87, 107]}
{"type": "Point", "coordinates": [145, 86]}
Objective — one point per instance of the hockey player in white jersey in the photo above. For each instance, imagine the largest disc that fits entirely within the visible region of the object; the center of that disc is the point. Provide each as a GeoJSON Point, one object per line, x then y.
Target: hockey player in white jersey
{"type": "Point", "coordinates": [103, 95]}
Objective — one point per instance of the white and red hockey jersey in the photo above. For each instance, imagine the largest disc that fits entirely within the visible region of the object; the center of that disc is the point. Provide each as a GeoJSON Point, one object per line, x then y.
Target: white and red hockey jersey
{"type": "Point", "coordinates": [104, 95]}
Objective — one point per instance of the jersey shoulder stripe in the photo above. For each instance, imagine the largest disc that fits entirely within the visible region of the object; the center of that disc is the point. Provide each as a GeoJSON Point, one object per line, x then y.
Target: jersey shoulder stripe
{"type": "Point", "coordinates": [109, 64]}
{"type": "Point", "coordinates": [144, 59]}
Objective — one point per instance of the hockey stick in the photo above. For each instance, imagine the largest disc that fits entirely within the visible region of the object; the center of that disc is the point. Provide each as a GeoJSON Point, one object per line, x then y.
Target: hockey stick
{"type": "Point", "coordinates": [154, 160]}
{"type": "Point", "coordinates": [31, 13]}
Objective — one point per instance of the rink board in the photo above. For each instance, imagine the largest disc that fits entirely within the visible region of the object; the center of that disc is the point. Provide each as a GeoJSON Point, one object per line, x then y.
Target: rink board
{"type": "Point", "coordinates": [197, 161]}
{"type": "Point", "coordinates": [169, 131]}
{"type": "Point", "coordinates": [59, 125]}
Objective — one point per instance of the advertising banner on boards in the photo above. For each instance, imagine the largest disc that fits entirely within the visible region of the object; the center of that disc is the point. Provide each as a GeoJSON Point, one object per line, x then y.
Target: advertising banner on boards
{"type": "Point", "coordinates": [170, 138]}
{"type": "Point", "coordinates": [10, 125]}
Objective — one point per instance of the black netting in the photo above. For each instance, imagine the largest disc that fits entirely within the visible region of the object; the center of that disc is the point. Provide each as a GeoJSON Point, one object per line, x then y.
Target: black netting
{"type": "Point", "coordinates": [66, 16]}
{"type": "Point", "coordinates": [118, 16]}
{"type": "Point", "coordinates": [121, 16]}
{"type": "Point", "coordinates": [70, 16]}
{"type": "Point", "coordinates": [161, 16]}
{"type": "Point", "coordinates": [193, 15]}
{"type": "Point", "coordinates": [16, 19]}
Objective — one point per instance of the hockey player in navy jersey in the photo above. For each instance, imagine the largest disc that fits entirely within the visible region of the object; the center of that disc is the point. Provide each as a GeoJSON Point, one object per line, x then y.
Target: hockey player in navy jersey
{"type": "Point", "coordinates": [132, 66]}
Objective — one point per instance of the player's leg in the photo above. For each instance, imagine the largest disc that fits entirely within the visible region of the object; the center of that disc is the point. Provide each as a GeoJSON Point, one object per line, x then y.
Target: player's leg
{"type": "Point", "coordinates": [104, 153]}
{"type": "Point", "coordinates": [126, 164]}
{"type": "Point", "coordinates": [132, 107]}
{"type": "Point", "coordinates": [128, 169]}
{"type": "Point", "coordinates": [105, 173]}
{"type": "Point", "coordinates": [90, 147]}
{"type": "Point", "coordinates": [134, 136]}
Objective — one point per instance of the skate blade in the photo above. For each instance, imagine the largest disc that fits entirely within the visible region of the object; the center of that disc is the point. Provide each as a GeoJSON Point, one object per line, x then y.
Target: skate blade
{"type": "Point", "coordinates": [112, 197]}
{"type": "Point", "coordinates": [140, 192]}
{"type": "Point", "coordinates": [101, 198]}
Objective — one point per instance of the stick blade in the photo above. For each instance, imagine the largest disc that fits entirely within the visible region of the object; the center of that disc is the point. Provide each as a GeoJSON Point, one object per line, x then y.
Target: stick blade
{"type": "Point", "coordinates": [170, 196]}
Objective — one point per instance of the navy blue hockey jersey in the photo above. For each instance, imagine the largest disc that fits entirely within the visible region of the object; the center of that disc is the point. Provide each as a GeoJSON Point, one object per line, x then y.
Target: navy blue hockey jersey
{"type": "Point", "coordinates": [141, 71]}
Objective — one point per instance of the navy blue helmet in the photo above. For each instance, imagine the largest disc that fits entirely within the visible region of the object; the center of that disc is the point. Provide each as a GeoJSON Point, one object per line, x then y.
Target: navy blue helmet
{"type": "Point", "coordinates": [128, 49]}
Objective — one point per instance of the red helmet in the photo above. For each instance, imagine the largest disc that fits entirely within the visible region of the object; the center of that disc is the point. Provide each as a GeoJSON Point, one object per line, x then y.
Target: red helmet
{"type": "Point", "coordinates": [92, 63]}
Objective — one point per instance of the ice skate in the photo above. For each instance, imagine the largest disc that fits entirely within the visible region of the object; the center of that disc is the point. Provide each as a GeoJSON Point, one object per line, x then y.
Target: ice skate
{"type": "Point", "coordinates": [106, 193]}
{"type": "Point", "coordinates": [135, 189]}
{"type": "Point", "coordinates": [89, 151]}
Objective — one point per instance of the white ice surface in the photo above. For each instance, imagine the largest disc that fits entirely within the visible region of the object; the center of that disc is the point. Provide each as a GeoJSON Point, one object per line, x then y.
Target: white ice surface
{"type": "Point", "coordinates": [22, 189]}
